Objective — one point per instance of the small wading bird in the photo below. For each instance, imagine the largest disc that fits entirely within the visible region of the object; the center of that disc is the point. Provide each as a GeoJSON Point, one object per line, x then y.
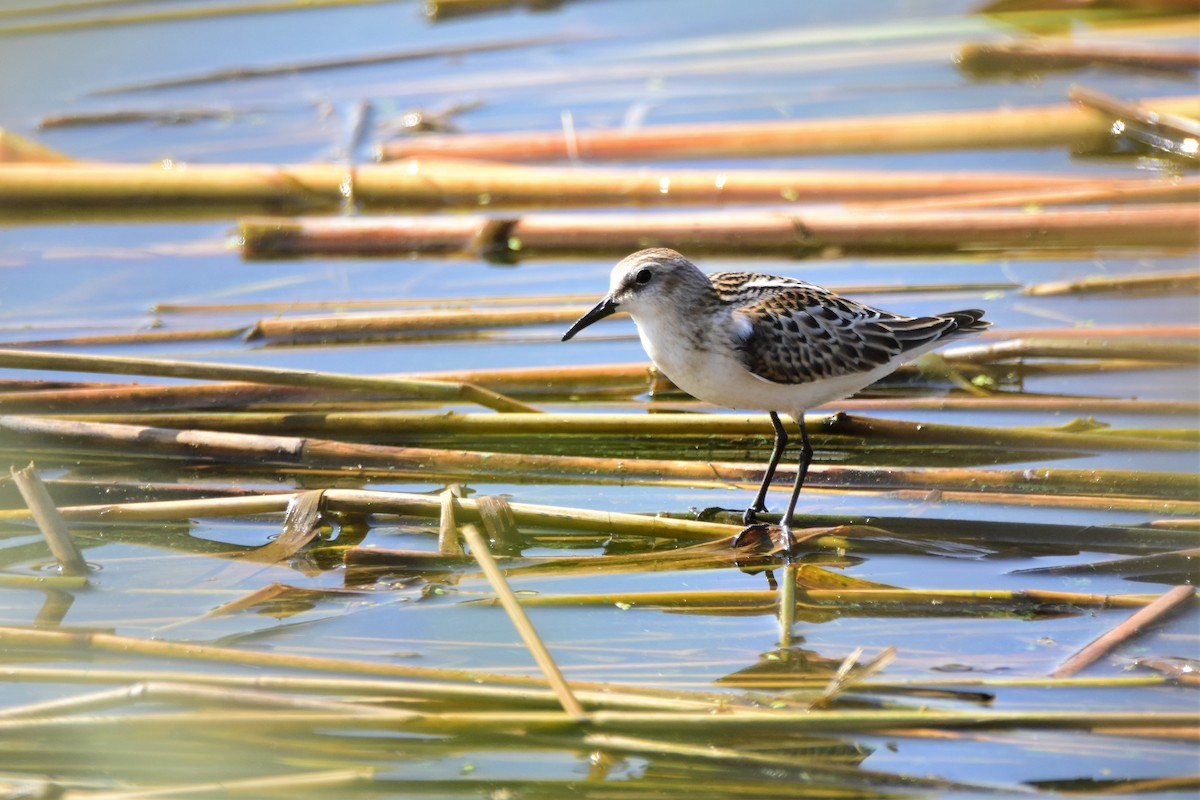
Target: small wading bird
{"type": "Point", "coordinates": [745, 340]}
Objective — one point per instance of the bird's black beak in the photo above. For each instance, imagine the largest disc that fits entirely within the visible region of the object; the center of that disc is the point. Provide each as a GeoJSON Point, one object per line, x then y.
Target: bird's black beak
{"type": "Point", "coordinates": [604, 308]}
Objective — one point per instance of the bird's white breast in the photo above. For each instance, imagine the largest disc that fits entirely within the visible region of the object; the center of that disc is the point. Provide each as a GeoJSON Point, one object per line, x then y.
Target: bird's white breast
{"type": "Point", "coordinates": [705, 363]}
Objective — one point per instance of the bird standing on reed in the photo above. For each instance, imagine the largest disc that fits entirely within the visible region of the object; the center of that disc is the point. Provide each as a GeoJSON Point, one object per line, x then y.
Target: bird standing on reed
{"type": "Point", "coordinates": [746, 340]}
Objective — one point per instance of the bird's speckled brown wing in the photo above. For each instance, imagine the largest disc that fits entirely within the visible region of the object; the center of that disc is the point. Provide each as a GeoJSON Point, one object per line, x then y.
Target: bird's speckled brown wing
{"type": "Point", "coordinates": [793, 332]}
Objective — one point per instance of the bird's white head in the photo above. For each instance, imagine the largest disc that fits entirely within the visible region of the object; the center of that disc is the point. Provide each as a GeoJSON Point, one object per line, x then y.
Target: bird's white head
{"type": "Point", "coordinates": [658, 281]}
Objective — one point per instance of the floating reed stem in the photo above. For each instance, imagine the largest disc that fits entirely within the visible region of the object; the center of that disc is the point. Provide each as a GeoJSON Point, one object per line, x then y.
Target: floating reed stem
{"type": "Point", "coordinates": [353, 501]}
{"type": "Point", "coordinates": [1186, 353]}
{"type": "Point", "coordinates": [175, 692]}
{"type": "Point", "coordinates": [436, 183]}
{"type": "Point", "coordinates": [1047, 501]}
{"type": "Point", "coordinates": [1040, 55]}
{"type": "Point", "coordinates": [435, 390]}
{"type": "Point", "coordinates": [451, 684]}
{"type": "Point", "coordinates": [602, 381]}
{"type": "Point", "coordinates": [1037, 126]}
{"type": "Point", "coordinates": [645, 699]}
{"type": "Point", "coordinates": [1182, 190]}
{"type": "Point", "coordinates": [290, 783]}
{"type": "Point", "coordinates": [520, 620]}
{"type": "Point", "coordinates": [423, 323]}
{"type": "Point", "coordinates": [1143, 618]}
{"type": "Point", "coordinates": [458, 465]}
{"type": "Point", "coordinates": [171, 116]}
{"type": "Point", "coordinates": [175, 14]}
{"type": "Point", "coordinates": [426, 322]}
{"type": "Point", "coordinates": [814, 770]}
{"type": "Point", "coordinates": [15, 149]}
{"type": "Point", "coordinates": [1173, 133]}
{"type": "Point", "coordinates": [472, 303]}
{"type": "Point", "coordinates": [412, 428]}
{"type": "Point", "coordinates": [1162, 283]}
{"type": "Point", "coordinates": [854, 602]}
{"type": "Point", "coordinates": [418, 322]}
{"type": "Point", "coordinates": [322, 65]}
{"type": "Point", "coordinates": [139, 337]}
{"type": "Point", "coordinates": [422, 691]}
{"type": "Point", "coordinates": [694, 723]}
{"type": "Point", "coordinates": [372, 502]}
{"type": "Point", "coordinates": [62, 582]}
{"type": "Point", "coordinates": [727, 233]}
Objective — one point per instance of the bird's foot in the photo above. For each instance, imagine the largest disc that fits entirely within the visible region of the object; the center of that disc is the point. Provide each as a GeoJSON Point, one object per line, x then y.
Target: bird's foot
{"type": "Point", "coordinates": [766, 539]}
{"type": "Point", "coordinates": [755, 537]}
{"type": "Point", "coordinates": [787, 542]}
{"type": "Point", "coordinates": [750, 515]}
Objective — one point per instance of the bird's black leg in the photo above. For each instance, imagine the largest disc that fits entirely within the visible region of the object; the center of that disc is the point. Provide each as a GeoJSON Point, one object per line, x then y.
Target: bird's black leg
{"type": "Point", "coordinates": [806, 453]}
{"type": "Point", "coordinates": [760, 500]}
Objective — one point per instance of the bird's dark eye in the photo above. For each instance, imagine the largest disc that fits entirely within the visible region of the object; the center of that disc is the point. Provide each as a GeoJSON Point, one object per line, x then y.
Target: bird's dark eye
{"type": "Point", "coordinates": [643, 277]}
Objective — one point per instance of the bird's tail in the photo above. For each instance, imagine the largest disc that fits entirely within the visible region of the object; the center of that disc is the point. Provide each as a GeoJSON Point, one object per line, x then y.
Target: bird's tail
{"type": "Point", "coordinates": [965, 323]}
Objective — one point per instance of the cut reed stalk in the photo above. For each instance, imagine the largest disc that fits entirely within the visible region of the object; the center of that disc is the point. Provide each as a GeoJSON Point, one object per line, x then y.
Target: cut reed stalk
{"type": "Point", "coordinates": [177, 692]}
{"type": "Point", "coordinates": [477, 301]}
{"type": "Point", "coordinates": [1183, 191]}
{"type": "Point", "coordinates": [697, 724]}
{"type": "Point", "coordinates": [371, 502]}
{"type": "Point", "coordinates": [606, 382]}
{"type": "Point", "coordinates": [708, 555]}
{"type": "Point", "coordinates": [520, 620]}
{"type": "Point", "coordinates": [175, 14]}
{"type": "Point", "coordinates": [435, 691]}
{"type": "Point", "coordinates": [1033, 500]}
{"type": "Point", "coordinates": [435, 390]}
{"type": "Point", "coordinates": [1158, 284]}
{"type": "Point", "coordinates": [421, 322]}
{"type": "Point", "coordinates": [50, 522]}
{"type": "Point", "coordinates": [29, 189]}
{"type": "Point", "coordinates": [1038, 126]}
{"type": "Point", "coordinates": [813, 768]}
{"type": "Point", "coordinates": [1020, 369]}
{"type": "Point", "coordinates": [448, 540]}
{"type": "Point", "coordinates": [415, 427]}
{"type": "Point", "coordinates": [1187, 353]}
{"type": "Point", "coordinates": [300, 783]}
{"type": "Point", "coordinates": [929, 496]}
{"type": "Point", "coordinates": [1096, 649]}
{"type": "Point", "coordinates": [1173, 561]}
{"type": "Point", "coordinates": [427, 321]}
{"type": "Point", "coordinates": [1040, 55]}
{"type": "Point", "coordinates": [446, 683]}
{"type": "Point", "coordinates": [853, 602]}
{"type": "Point", "coordinates": [625, 378]}
{"type": "Point", "coordinates": [322, 65]}
{"type": "Point", "coordinates": [48, 582]}
{"type": "Point", "coordinates": [162, 116]}
{"type": "Point", "coordinates": [457, 465]}
{"type": "Point", "coordinates": [139, 337]}
{"type": "Point", "coordinates": [420, 691]}
{"type": "Point", "coordinates": [15, 149]}
{"type": "Point", "coordinates": [778, 233]}
{"type": "Point", "coordinates": [1027, 403]}
{"type": "Point", "coordinates": [1171, 132]}
{"type": "Point", "coordinates": [301, 524]}
{"type": "Point", "coordinates": [472, 303]}
{"type": "Point", "coordinates": [440, 10]}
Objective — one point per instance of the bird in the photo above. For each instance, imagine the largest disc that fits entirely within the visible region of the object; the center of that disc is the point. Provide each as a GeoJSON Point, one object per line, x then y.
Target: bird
{"type": "Point", "coordinates": [751, 341]}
